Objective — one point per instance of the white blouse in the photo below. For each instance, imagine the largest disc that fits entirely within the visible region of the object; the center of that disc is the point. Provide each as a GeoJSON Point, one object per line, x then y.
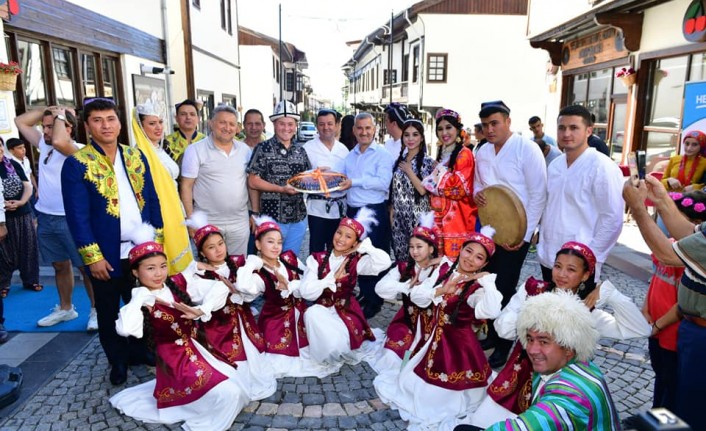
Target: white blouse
{"type": "Point", "coordinates": [251, 284]}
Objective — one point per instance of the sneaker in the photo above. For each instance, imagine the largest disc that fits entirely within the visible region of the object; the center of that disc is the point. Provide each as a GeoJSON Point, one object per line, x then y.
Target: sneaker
{"type": "Point", "coordinates": [92, 321]}
{"type": "Point", "coordinates": [57, 316]}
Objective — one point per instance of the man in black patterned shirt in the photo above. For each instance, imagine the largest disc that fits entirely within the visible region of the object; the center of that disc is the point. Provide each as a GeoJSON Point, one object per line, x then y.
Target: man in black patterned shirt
{"type": "Point", "coordinates": [277, 160]}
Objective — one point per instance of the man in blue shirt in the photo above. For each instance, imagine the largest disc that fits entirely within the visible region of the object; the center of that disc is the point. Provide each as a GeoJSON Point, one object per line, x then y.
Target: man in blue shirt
{"type": "Point", "coordinates": [369, 170]}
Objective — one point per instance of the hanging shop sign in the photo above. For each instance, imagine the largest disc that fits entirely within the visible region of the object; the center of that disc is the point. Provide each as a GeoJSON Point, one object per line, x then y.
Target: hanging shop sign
{"type": "Point", "coordinates": [694, 24]}
{"type": "Point", "coordinates": [601, 46]}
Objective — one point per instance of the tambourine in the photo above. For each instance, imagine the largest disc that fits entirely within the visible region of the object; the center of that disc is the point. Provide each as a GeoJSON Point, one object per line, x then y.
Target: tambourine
{"type": "Point", "coordinates": [317, 182]}
{"type": "Point", "coordinates": [505, 213]}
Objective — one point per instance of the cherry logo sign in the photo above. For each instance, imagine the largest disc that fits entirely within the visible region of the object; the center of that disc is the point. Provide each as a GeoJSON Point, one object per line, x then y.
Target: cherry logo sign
{"type": "Point", "coordinates": [694, 26]}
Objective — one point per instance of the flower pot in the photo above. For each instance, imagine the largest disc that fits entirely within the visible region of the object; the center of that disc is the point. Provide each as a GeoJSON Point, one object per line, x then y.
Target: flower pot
{"type": "Point", "coordinates": [629, 80]}
{"type": "Point", "coordinates": [8, 81]}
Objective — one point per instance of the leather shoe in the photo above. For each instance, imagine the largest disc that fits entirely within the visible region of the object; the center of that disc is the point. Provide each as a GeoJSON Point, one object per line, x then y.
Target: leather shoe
{"type": "Point", "coordinates": [118, 374]}
{"type": "Point", "coordinates": [498, 358]}
{"type": "Point", "coordinates": [369, 311]}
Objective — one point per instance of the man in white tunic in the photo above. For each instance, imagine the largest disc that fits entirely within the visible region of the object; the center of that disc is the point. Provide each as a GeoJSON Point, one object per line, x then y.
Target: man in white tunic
{"type": "Point", "coordinates": [515, 162]}
{"type": "Point", "coordinates": [584, 195]}
{"type": "Point", "coordinates": [325, 152]}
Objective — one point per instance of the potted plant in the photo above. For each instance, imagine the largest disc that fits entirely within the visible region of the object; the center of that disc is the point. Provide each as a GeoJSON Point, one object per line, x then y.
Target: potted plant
{"type": "Point", "coordinates": [8, 75]}
{"type": "Point", "coordinates": [628, 75]}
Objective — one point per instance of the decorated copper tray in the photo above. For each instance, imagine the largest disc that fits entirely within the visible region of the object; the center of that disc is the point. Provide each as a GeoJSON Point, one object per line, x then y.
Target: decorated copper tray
{"type": "Point", "coordinates": [317, 181]}
{"type": "Point", "coordinates": [505, 213]}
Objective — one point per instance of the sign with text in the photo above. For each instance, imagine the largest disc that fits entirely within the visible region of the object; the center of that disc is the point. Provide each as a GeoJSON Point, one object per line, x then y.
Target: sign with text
{"type": "Point", "coordinates": [595, 48]}
{"type": "Point", "coordinates": [694, 115]}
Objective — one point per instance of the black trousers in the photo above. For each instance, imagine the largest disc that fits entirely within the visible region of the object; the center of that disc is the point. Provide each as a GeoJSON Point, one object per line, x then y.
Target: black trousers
{"type": "Point", "coordinates": [321, 231]}
{"type": "Point", "coordinates": [508, 266]}
{"type": "Point", "coordinates": [119, 350]}
{"type": "Point", "coordinates": [664, 363]}
{"type": "Point", "coordinates": [380, 236]}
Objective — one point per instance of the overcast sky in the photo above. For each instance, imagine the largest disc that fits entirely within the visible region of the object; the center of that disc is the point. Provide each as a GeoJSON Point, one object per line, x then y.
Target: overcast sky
{"type": "Point", "coordinates": [320, 28]}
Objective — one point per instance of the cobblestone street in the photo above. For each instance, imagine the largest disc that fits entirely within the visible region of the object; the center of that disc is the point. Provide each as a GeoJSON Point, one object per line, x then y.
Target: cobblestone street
{"type": "Point", "coordinates": [77, 397]}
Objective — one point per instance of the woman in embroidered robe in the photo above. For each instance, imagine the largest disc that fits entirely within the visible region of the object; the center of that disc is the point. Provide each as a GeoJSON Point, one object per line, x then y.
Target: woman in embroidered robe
{"type": "Point", "coordinates": [452, 193]}
{"type": "Point", "coordinates": [232, 334]}
{"type": "Point", "coordinates": [191, 384]}
{"type": "Point", "coordinates": [449, 374]}
{"type": "Point", "coordinates": [411, 327]}
{"type": "Point", "coordinates": [276, 275]}
{"type": "Point", "coordinates": [684, 171]}
{"type": "Point", "coordinates": [338, 332]}
{"type": "Point", "coordinates": [510, 392]}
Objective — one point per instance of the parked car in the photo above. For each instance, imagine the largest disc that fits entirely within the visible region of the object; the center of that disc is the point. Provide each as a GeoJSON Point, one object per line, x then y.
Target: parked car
{"type": "Point", "coordinates": [307, 131]}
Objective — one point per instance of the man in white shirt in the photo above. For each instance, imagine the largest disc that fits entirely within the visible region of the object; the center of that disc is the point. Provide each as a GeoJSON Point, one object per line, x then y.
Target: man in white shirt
{"type": "Point", "coordinates": [515, 162]}
{"type": "Point", "coordinates": [56, 244]}
{"type": "Point", "coordinates": [537, 128]}
{"type": "Point", "coordinates": [584, 195]}
{"type": "Point", "coordinates": [213, 179]}
{"type": "Point", "coordinates": [325, 152]}
{"type": "Point", "coordinates": [395, 116]}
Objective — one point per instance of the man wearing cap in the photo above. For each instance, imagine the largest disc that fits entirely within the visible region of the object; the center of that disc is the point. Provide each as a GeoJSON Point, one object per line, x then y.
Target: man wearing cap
{"type": "Point", "coordinates": [326, 153]}
{"type": "Point", "coordinates": [187, 118]}
{"type": "Point", "coordinates": [369, 170]}
{"type": "Point", "coordinates": [108, 190]}
{"type": "Point", "coordinates": [55, 242]}
{"type": "Point", "coordinates": [395, 116]}
{"type": "Point", "coordinates": [568, 390]}
{"type": "Point", "coordinates": [515, 162]}
{"type": "Point", "coordinates": [275, 161]}
{"type": "Point", "coordinates": [214, 179]}
{"type": "Point", "coordinates": [584, 195]}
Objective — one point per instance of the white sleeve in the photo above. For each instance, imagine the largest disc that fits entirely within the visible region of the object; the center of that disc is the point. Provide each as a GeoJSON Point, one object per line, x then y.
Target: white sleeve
{"type": "Point", "coordinates": [374, 261]}
{"type": "Point", "coordinates": [389, 286]}
{"type": "Point", "coordinates": [209, 298]}
{"type": "Point", "coordinates": [608, 192]}
{"type": "Point", "coordinates": [248, 282]}
{"type": "Point", "coordinates": [311, 287]}
{"type": "Point", "coordinates": [535, 171]}
{"type": "Point", "coordinates": [425, 293]}
{"type": "Point", "coordinates": [626, 321]}
{"type": "Point", "coordinates": [190, 163]}
{"type": "Point", "coordinates": [506, 323]}
{"type": "Point", "coordinates": [487, 300]}
{"type": "Point", "coordinates": [294, 286]}
{"type": "Point", "coordinates": [130, 318]}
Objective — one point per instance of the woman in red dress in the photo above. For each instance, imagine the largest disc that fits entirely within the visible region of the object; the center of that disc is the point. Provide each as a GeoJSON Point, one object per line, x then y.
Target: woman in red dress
{"type": "Point", "coordinates": [452, 197]}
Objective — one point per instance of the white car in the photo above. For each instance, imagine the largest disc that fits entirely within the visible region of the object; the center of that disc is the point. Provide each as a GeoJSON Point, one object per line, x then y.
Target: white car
{"type": "Point", "coordinates": [307, 131]}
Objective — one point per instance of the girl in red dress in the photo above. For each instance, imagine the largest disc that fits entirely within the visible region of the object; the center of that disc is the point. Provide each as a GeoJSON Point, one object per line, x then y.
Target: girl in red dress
{"type": "Point", "coordinates": [276, 275]}
{"type": "Point", "coordinates": [338, 332]}
{"type": "Point", "coordinates": [191, 384]}
{"type": "Point", "coordinates": [411, 327]}
{"type": "Point", "coordinates": [448, 376]}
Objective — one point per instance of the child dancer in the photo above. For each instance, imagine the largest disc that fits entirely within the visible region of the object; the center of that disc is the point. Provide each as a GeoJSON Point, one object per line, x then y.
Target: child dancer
{"type": "Point", "coordinates": [275, 274]}
{"type": "Point", "coordinates": [412, 325]}
{"type": "Point", "coordinates": [510, 393]}
{"type": "Point", "coordinates": [336, 326]}
{"type": "Point", "coordinates": [232, 333]}
{"type": "Point", "coordinates": [449, 374]}
{"type": "Point", "coordinates": [191, 384]}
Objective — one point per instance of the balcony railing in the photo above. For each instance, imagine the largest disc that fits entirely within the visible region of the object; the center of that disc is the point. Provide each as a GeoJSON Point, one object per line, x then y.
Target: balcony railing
{"type": "Point", "coordinates": [399, 92]}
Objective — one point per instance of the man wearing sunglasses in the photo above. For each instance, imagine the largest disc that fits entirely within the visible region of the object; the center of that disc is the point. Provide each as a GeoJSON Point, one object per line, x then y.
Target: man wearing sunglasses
{"type": "Point", "coordinates": [108, 192]}
{"type": "Point", "coordinates": [55, 242]}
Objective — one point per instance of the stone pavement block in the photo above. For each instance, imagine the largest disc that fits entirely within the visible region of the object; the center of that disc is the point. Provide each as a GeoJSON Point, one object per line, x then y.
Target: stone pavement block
{"type": "Point", "coordinates": [376, 404]}
{"type": "Point", "coordinates": [267, 409]}
{"type": "Point", "coordinates": [292, 398]}
{"type": "Point", "coordinates": [363, 407]}
{"type": "Point", "coordinates": [252, 407]}
{"type": "Point", "coordinates": [263, 421]}
{"type": "Point", "coordinates": [288, 409]}
{"type": "Point", "coordinates": [313, 411]}
{"type": "Point", "coordinates": [311, 399]}
{"type": "Point", "coordinates": [333, 409]}
{"type": "Point", "coordinates": [286, 422]}
{"type": "Point", "coordinates": [347, 422]}
{"type": "Point", "coordinates": [310, 422]}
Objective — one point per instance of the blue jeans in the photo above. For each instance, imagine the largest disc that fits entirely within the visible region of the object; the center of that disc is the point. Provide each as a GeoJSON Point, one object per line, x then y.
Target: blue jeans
{"type": "Point", "coordinates": [293, 234]}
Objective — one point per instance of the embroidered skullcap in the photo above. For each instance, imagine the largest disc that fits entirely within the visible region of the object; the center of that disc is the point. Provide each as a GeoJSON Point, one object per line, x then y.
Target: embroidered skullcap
{"type": "Point", "coordinates": [284, 108]}
{"type": "Point", "coordinates": [585, 252]}
{"type": "Point", "coordinates": [143, 236]}
{"type": "Point", "coordinates": [397, 112]}
{"type": "Point", "coordinates": [489, 108]}
{"type": "Point", "coordinates": [265, 224]}
{"type": "Point", "coordinates": [362, 223]}
{"type": "Point", "coordinates": [564, 316]}
{"type": "Point", "coordinates": [425, 230]}
{"type": "Point", "coordinates": [485, 239]}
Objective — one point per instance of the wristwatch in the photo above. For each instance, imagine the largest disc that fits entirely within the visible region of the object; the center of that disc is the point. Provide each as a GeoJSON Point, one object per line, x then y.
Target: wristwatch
{"type": "Point", "coordinates": [60, 117]}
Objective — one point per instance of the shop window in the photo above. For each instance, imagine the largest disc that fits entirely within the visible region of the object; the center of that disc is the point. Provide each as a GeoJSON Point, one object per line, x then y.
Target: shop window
{"type": "Point", "coordinates": [63, 76]}
{"type": "Point", "coordinates": [109, 80]}
{"type": "Point", "coordinates": [436, 67]}
{"type": "Point", "coordinates": [88, 74]}
{"type": "Point", "coordinates": [33, 78]}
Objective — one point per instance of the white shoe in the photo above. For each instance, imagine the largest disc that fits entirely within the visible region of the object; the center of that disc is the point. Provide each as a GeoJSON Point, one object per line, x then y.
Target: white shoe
{"type": "Point", "coordinates": [57, 316]}
{"type": "Point", "coordinates": [92, 321]}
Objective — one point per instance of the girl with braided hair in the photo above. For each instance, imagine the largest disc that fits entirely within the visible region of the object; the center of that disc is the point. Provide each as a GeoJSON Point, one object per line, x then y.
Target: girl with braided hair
{"type": "Point", "coordinates": [191, 384]}
{"type": "Point", "coordinates": [452, 196]}
{"type": "Point", "coordinates": [232, 334]}
{"type": "Point", "coordinates": [411, 327]}
{"type": "Point", "coordinates": [407, 194]}
{"type": "Point", "coordinates": [338, 331]}
{"type": "Point", "coordinates": [276, 274]}
{"type": "Point", "coordinates": [447, 377]}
